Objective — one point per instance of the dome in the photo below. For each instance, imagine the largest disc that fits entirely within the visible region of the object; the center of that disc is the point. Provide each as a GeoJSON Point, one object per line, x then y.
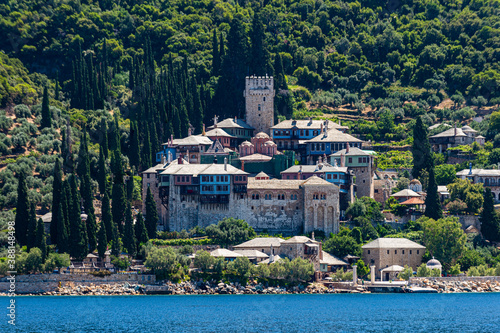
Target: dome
{"type": "Point", "coordinates": [434, 263]}
{"type": "Point", "coordinates": [246, 143]}
{"type": "Point", "coordinates": [415, 182]}
{"type": "Point", "coordinates": [269, 143]}
{"type": "Point", "coordinates": [262, 135]}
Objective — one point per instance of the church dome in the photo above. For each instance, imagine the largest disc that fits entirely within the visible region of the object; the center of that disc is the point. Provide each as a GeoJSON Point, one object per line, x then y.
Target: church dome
{"type": "Point", "coordinates": [262, 135]}
{"type": "Point", "coordinates": [415, 182]}
{"type": "Point", "coordinates": [246, 143]}
{"type": "Point", "coordinates": [269, 143]}
{"type": "Point", "coordinates": [434, 263]}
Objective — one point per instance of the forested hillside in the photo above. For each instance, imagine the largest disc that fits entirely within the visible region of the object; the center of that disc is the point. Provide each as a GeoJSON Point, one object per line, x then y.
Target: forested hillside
{"type": "Point", "coordinates": [132, 73]}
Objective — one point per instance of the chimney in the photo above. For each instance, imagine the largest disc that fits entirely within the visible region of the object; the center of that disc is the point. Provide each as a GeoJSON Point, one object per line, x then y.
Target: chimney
{"type": "Point", "coordinates": [225, 163]}
{"type": "Point", "coordinates": [342, 160]}
{"type": "Point", "coordinates": [455, 129]}
{"type": "Point", "coordinates": [215, 159]}
{"type": "Point", "coordinates": [189, 131]}
{"type": "Point", "coordinates": [235, 119]}
{"type": "Point", "coordinates": [310, 120]}
{"type": "Point", "coordinates": [203, 131]}
{"type": "Point", "coordinates": [169, 157]}
{"type": "Point", "coordinates": [180, 160]}
{"type": "Point", "coordinates": [171, 140]}
{"type": "Point", "coordinates": [163, 159]}
{"type": "Point", "coordinates": [242, 165]}
{"type": "Point", "coordinates": [321, 127]}
{"type": "Point", "coordinates": [312, 235]}
{"type": "Point", "coordinates": [339, 122]}
{"type": "Point", "coordinates": [187, 154]}
{"type": "Point", "coordinates": [347, 148]}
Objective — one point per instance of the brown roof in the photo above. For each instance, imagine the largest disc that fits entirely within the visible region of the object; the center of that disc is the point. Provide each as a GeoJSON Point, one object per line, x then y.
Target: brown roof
{"type": "Point", "coordinates": [413, 201]}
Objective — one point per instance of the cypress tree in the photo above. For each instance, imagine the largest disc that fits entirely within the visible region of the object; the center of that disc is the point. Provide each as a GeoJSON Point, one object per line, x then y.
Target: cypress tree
{"type": "Point", "coordinates": [489, 219]}
{"type": "Point", "coordinates": [107, 218]}
{"type": "Point", "coordinates": [215, 55]}
{"type": "Point", "coordinates": [62, 229]}
{"type": "Point", "coordinates": [104, 137]}
{"type": "Point", "coordinates": [129, 241]}
{"type": "Point", "coordinates": [134, 151]}
{"type": "Point", "coordinates": [32, 227]}
{"type": "Point", "coordinates": [78, 244]}
{"type": "Point", "coordinates": [102, 174]}
{"type": "Point", "coordinates": [284, 99]}
{"type": "Point", "coordinates": [58, 87]}
{"type": "Point", "coordinates": [46, 115]}
{"type": "Point", "coordinates": [118, 192]}
{"type": "Point", "coordinates": [432, 205]}
{"type": "Point", "coordinates": [260, 60]}
{"type": "Point", "coordinates": [56, 201]}
{"type": "Point", "coordinates": [22, 210]}
{"type": "Point", "coordinates": [86, 191]}
{"type": "Point", "coordinates": [151, 215]}
{"type": "Point", "coordinates": [66, 203]}
{"type": "Point", "coordinates": [116, 246]}
{"type": "Point", "coordinates": [141, 233]}
{"type": "Point", "coordinates": [102, 243]}
{"type": "Point", "coordinates": [421, 149]}
{"type": "Point", "coordinates": [228, 99]}
{"type": "Point", "coordinates": [41, 239]}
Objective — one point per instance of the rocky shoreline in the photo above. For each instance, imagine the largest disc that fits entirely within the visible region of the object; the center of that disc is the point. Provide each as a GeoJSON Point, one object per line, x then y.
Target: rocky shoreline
{"type": "Point", "coordinates": [219, 288]}
{"type": "Point", "coordinates": [459, 286]}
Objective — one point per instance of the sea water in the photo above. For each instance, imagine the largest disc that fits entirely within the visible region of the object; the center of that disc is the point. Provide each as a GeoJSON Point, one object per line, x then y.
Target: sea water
{"type": "Point", "coordinates": [257, 313]}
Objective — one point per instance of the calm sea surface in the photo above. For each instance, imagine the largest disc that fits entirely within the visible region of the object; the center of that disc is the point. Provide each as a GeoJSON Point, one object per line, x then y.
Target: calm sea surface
{"type": "Point", "coordinates": [257, 313]}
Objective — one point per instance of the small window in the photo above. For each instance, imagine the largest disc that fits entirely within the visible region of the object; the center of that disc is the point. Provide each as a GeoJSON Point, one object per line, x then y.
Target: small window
{"type": "Point", "coordinates": [368, 251]}
{"type": "Point", "coordinates": [148, 175]}
{"type": "Point", "coordinates": [418, 251]}
{"type": "Point", "coordinates": [264, 99]}
{"type": "Point", "coordinates": [387, 251]}
{"type": "Point", "coordinates": [410, 251]}
{"type": "Point", "coordinates": [395, 251]}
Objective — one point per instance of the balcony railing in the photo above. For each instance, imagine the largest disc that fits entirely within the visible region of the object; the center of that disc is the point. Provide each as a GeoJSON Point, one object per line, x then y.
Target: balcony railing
{"type": "Point", "coordinates": [222, 199]}
{"type": "Point", "coordinates": [240, 189]}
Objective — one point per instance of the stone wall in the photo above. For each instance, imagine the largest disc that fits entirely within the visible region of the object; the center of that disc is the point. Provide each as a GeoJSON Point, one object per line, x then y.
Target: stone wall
{"type": "Point", "coordinates": [381, 259]}
{"type": "Point", "coordinates": [417, 280]}
{"type": "Point", "coordinates": [38, 283]}
{"type": "Point", "coordinates": [467, 220]}
{"type": "Point", "coordinates": [364, 181]}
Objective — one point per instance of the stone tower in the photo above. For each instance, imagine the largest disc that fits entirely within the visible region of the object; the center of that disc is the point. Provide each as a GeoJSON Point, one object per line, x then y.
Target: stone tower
{"type": "Point", "coordinates": [259, 103]}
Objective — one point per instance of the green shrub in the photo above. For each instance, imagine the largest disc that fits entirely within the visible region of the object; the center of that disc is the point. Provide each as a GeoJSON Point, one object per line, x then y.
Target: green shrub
{"type": "Point", "coordinates": [22, 111]}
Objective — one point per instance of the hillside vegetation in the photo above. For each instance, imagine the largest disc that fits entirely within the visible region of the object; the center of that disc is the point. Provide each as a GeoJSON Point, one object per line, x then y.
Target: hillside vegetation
{"type": "Point", "coordinates": [132, 73]}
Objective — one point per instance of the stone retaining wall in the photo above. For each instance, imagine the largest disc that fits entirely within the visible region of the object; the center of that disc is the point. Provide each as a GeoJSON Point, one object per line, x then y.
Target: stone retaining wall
{"type": "Point", "coordinates": [38, 283]}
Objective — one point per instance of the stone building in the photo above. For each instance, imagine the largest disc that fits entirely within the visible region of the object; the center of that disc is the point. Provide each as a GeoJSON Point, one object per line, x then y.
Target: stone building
{"type": "Point", "coordinates": [267, 245]}
{"type": "Point", "coordinates": [261, 143]}
{"type": "Point", "coordinates": [362, 164]}
{"type": "Point", "coordinates": [238, 128]}
{"type": "Point", "coordinates": [303, 247]}
{"type": "Point", "coordinates": [202, 194]}
{"type": "Point", "coordinates": [488, 177]}
{"type": "Point", "coordinates": [259, 103]}
{"type": "Point", "coordinates": [385, 252]}
{"type": "Point", "coordinates": [328, 142]}
{"type": "Point", "coordinates": [454, 137]}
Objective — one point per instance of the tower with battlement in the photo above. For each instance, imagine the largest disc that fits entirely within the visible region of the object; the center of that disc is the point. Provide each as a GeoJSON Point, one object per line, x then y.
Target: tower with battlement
{"type": "Point", "coordinates": [259, 103]}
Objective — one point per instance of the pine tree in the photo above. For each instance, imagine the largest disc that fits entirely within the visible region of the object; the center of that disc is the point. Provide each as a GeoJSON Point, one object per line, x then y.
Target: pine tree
{"type": "Point", "coordinates": [141, 233]}
{"type": "Point", "coordinates": [46, 114]}
{"type": "Point", "coordinates": [102, 172]}
{"type": "Point", "coordinates": [62, 230]}
{"type": "Point", "coordinates": [134, 151]}
{"type": "Point", "coordinates": [151, 215]}
{"type": "Point", "coordinates": [41, 239]}
{"type": "Point", "coordinates": [102, 243]}
{"type": "Point", "coordinates": [421, 149]}
{"type": "Point", "coordinates": [107, 218]}
{"type": "Point", "coordinates": [78, 242]}
{"type": "Point", "coordinates": [129, 241]}
{"type": "Point", "coordinates": [215, 55]}
{"type": "Point", "coordinates": [22, 210]}
{"type": "Point", "coordinates": [56, 200]}
{"type": "Point", "coordinates": [260, 60]}
{"type": "Point", "coordinates": [432, 204]}
{"type": "Point", "coordinates": [32, 227]}
{"type": "Point", "coordinates": [489, 219]}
